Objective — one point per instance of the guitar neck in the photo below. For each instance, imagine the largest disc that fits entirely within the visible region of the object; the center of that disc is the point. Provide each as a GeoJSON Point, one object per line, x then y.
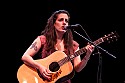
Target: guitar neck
{"type": "Point", "coordinates": [79, 52]}
{"type": "Point", "coordinates": [108, 37]}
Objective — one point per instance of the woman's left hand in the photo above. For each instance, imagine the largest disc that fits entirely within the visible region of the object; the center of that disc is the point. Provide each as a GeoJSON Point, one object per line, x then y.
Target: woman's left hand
{"type": "Point", "coordinates": [90, 48]}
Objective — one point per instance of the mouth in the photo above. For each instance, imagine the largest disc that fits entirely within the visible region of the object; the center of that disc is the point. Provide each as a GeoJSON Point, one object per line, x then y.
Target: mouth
{"type": "Point", "coordinates": [63, 27]}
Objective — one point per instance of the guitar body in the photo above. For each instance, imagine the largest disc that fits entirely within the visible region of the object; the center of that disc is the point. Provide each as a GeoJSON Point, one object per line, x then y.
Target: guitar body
{"type": "Point", "coordinates": [27, 74]}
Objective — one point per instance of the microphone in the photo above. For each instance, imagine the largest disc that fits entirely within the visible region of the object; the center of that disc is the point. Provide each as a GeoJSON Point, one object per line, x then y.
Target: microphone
{"type": "Point", "coordinates": [72, 26]}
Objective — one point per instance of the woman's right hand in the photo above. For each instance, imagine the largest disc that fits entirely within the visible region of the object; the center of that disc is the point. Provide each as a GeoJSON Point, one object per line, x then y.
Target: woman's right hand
{"type": "Point", "coordinates": [45, 72]}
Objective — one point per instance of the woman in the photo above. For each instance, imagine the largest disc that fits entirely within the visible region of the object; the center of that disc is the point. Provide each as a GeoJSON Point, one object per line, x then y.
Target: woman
{"type": "Point", "coordinates": [56, 38]}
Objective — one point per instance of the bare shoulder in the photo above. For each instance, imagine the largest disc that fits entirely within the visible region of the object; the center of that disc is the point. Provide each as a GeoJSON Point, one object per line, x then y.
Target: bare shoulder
{"type": "Point", "coordinates": [75, 43]}
{"type": "Point", "coordinates": [42, 36]}
{"type": "Point", "coordinates": [42, 39]}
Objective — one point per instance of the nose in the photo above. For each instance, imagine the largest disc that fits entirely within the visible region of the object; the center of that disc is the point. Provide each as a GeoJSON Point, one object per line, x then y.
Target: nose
{"type": "Point", "coordinates": [64, 22]}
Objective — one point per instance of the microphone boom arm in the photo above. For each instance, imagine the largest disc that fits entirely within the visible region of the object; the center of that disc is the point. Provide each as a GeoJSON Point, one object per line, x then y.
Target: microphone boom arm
{"type": "Point", "coordinates": [95, 45]}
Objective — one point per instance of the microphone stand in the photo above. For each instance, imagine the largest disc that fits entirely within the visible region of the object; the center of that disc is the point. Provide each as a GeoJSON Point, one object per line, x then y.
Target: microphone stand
{"type": "Point", "coordinates": [99, 76]}
{"type": "Point", "coordinates": [99, 79]}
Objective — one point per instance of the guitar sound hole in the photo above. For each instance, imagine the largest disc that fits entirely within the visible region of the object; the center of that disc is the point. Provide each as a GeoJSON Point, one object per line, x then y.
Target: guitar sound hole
{"type": "Point", "coordinates": [54, 66]}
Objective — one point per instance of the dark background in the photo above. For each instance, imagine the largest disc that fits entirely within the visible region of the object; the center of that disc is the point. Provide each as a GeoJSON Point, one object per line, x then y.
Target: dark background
{"type": "Point", "coordinates": [23, 22]}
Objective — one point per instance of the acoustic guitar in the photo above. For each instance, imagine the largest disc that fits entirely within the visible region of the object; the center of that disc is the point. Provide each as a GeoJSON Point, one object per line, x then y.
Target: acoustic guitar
{"type": "Point", "coordinates": [58, 62]}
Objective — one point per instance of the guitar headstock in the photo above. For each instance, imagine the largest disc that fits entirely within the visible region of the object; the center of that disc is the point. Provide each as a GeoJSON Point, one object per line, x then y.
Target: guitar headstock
{"type": "Point", "coordinates": [111, 37]}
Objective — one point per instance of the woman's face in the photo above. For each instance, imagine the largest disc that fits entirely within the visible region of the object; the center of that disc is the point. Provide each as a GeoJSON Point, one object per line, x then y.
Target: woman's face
{"type": "Point", "coordinates": [61, 22]}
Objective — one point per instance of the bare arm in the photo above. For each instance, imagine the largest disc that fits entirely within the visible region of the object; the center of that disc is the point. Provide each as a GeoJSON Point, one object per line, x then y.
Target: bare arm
{"type": "Point", "coordinates": [30, 52]}
{"type": "Point", "coordinates": [27, 58]}
{"type": "Point", "coordinates": [80, 64]}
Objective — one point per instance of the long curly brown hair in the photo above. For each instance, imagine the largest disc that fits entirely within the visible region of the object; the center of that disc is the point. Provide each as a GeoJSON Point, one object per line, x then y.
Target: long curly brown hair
{"type": "Point", "coordinates": [50, 34]}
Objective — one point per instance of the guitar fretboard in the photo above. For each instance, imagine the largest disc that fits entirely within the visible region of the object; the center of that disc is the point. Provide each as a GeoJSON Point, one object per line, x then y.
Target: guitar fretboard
{"type": "Point", "coordinates": [83, 50]}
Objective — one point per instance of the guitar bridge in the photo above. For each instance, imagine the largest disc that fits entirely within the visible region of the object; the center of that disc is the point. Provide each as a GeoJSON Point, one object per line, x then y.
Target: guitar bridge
{"type": "Point", "coordinates": [55, 75]}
